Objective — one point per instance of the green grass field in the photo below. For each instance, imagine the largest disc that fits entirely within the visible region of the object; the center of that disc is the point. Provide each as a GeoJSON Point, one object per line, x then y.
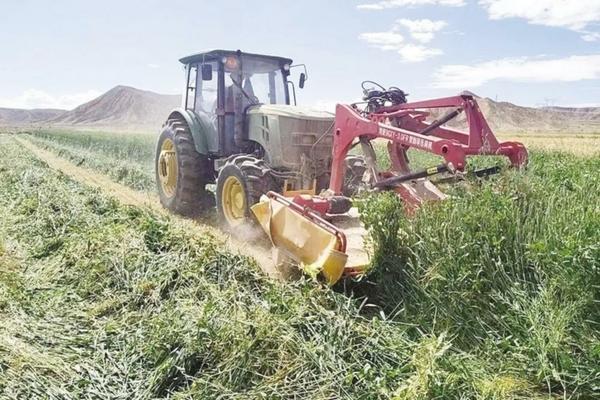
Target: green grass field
{"type": "Point", "coordinates": [493, 294]}
{"type": "Point", "coordinates": [126, 158]}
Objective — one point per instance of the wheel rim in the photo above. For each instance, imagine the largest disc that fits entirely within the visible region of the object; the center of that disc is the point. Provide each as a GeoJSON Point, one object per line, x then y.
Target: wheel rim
{"type": "Point", "coordinates": [167, 167]}
{"type": "Point", "coordinates": [233, 201]}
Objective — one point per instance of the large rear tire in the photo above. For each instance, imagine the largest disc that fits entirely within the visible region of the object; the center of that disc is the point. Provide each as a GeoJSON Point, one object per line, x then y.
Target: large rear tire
{"type": "Point", "coordinates": [241, 182]}
{"type": "Point", "coordinates": [181, 172]}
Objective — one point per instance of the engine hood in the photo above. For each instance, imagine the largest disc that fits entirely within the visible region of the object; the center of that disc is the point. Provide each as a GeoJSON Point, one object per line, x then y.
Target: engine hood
{"type": "Point", "coordinates": [283, 110]}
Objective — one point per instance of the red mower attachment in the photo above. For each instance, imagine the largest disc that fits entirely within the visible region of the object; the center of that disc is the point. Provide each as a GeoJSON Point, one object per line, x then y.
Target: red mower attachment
{"type": "Point", "coordinates": [309, 229]}
{"type": "Point", "coordinates": [404, 126]}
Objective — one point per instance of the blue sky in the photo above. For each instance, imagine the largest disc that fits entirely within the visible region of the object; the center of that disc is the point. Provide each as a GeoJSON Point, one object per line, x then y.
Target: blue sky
{"type": "Point", "coordinates": [544, 52]}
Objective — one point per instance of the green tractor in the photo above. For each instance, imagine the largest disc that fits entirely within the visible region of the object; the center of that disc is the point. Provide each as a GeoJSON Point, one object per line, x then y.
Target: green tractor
{"type": "Point", "coordinates": [238, 133]}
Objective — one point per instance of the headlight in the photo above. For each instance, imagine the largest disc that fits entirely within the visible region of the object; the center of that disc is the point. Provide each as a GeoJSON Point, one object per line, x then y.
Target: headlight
{"type": "Point", "coordinates": [230, 62]}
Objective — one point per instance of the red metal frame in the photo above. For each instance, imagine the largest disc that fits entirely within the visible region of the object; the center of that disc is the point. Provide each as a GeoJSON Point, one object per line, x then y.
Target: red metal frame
{"type": "Point", "coordinates": [400, 125]}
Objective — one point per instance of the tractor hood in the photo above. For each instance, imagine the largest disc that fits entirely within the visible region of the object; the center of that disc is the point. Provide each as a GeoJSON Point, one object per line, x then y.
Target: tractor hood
{"type": "Point", "coordinates": [292, 135]}
{"type": "Point", "coordinates": [291, 112]}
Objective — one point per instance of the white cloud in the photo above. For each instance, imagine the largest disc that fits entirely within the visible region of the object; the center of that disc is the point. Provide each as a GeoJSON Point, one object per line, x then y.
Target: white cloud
{"type": "Point", "coordinates": [571, 14]}
{"type": "Point", "coordinates": [590, 36]}
{"type": "Point", "coordinates": [422, 30]}
{"type": "Point", "coordinates": [385, 4]}
{"type": "Point", "coordinates": [417, 53]}
{"type": "Point", "coordinates": [34, 98]}
{"type": "Point", "coordinates": [390, 40]}
{"type": "Point", "coordinates": [153, 66]}
{"type": "Point", "coordinates": [569, 69]}
{"type": "Point", "coordinates": [393, 41]}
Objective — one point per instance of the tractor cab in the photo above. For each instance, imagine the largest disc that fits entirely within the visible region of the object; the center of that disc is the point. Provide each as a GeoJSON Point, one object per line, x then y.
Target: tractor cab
{"type": "Point", "coordinates": [221, 86]}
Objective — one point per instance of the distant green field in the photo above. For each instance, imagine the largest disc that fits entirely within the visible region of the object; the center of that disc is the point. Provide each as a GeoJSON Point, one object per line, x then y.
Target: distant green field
{"type": "Point", "coordinates": [581, 144]}
{"type": "Point", "coordinates": [126, 158]}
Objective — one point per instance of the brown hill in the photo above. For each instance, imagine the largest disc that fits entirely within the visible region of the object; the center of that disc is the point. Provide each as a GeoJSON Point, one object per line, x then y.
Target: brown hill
{"type": "Point", "coordinates": [14, 116]}
{"type": "Point", "coordinates": [582, 113]}
{"type": "Point", "coordinates": [121, 108]}
{"type": "Point", "coordinates": [128, 109]}
{"type": "Point", "coordinates": [506, 117]}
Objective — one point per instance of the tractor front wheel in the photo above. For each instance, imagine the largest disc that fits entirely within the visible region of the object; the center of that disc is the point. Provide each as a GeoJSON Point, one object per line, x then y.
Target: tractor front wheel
{"type": "Point", "coordinates": [241, 182]}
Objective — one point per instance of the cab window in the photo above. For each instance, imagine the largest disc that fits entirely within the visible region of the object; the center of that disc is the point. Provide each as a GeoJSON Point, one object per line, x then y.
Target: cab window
{"type": "Point", "coordinates": [206, 92]}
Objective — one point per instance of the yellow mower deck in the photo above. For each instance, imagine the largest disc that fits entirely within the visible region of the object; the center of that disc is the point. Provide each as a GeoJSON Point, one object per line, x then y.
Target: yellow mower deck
{"type": "Point", "coordinates": [356, 248]}
{"type": "Point", "coordinates": [311, 245]}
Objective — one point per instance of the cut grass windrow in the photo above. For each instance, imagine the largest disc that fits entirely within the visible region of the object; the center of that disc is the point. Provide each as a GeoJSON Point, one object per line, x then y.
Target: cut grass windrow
{"type": "Point", "coordinates": [254, 246]}
{"type": "Point", "coordinates": [126, 158]}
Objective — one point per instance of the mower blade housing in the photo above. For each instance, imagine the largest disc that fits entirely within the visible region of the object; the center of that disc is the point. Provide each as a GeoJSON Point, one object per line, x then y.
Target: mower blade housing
{"type": "Point", "coordinates": [316, 245]}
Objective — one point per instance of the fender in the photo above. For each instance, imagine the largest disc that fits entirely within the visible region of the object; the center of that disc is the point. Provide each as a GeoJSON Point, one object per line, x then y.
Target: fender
{"type": "Point", "coordinates": [203, 130]}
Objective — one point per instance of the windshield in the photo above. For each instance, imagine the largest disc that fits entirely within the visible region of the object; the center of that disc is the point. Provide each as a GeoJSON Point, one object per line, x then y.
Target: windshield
{"type": "Point", "coordinates": [261, 81]}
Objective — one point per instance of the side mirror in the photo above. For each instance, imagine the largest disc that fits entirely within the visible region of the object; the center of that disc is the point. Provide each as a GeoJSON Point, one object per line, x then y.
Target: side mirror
{"type": "Point", "coordinates": [207, 72]}
{"type": "Point", "coordinates": [302, 80]}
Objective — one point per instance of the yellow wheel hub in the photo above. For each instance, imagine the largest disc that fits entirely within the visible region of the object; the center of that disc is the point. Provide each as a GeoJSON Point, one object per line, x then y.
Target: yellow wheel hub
{"type": "Point", "coordinates": [167, 167]}
{"type": "Point", "coordinates": [233, 201]}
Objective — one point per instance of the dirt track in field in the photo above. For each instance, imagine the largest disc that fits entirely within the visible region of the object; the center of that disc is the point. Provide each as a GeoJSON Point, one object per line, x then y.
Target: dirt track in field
{"type": "Point", "coordinates": [124, 194]}
{"type": "Point", "coordinates": [261, 252]}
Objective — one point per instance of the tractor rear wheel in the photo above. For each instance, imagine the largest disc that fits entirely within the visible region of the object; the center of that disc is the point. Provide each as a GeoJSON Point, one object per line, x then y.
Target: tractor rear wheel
{"type": "Point", "coordinates": [181, 172]}
{"type": "Point", "coordinates": [240, 183]}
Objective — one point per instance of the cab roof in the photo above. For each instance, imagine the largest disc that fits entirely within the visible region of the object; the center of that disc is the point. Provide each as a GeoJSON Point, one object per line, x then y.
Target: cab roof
{"type": "Point", "coordinates": [215, 55]}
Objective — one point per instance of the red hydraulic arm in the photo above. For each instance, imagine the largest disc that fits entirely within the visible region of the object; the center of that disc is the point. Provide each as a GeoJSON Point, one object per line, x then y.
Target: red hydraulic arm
{"type": "Point", "coordinates": [404, 126]}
